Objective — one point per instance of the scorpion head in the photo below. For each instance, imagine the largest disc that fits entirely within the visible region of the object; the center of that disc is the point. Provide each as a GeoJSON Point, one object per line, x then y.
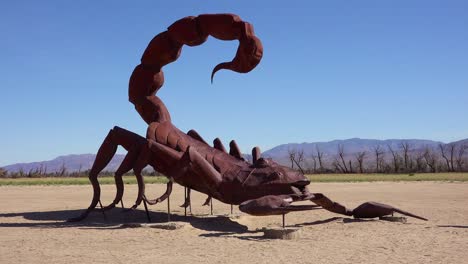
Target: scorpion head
{"type": "Point", "coordinates": [269, 177]}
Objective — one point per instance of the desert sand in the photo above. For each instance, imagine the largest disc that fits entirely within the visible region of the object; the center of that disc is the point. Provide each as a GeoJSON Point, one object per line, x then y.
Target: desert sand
{"type": "Point", "coordinates": [32, 228]}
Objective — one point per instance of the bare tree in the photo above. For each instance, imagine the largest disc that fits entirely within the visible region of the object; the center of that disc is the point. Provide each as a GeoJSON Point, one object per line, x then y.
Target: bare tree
{"type": "Point", "coordinates": [406, 157]}
{"type": "Point", "coordinates": [296, 157]}
{"type": "Point", "coordinates": [459, 159]}
{"type": "Point", "coordinates": [3, 173]}
{"type": "Point", "coordinates": [442, 153]}
{"type": "Point", "coordinates": [420, 164]}
{"type": "Point", "coordinates": [360, 156]}
{"type": "Point", "coordinates": [351, 170]}
{"type": "Point", "coordinates": [314, 163]}
{"type": "Point", "coordinates": [63, 170]}
{"type": "Point", "coordinates": [396, 159]}
{"type": "Point", "coordinates": [320, 158]}
{"type": "Point", "coordinates": [292, 156]}
{"type": "Point", "coordinates": [378, 152]}
{"type": "Point", "coordinates": [341, 155]}
{"type": "Point", "coordinates": [337, 165]}
{"type": "Point", "coordinates": [299, 159]}
{"type": "Point", "coordinates": [449, 160]}
{"type": "Point", "coordinates": [430, 159]}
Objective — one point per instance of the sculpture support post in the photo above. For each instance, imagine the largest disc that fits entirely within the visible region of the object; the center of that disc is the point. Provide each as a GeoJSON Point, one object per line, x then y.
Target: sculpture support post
{"type": "Point", "coordinates": [211, 205]}
{"type": "Point", "coordinates": [185, 199]}
{"type": "Point", "coordinates": [147, 212]}
{"type": "Point", "coordinates": [102, 210]}
{"type": "Point", "coordinates": [283, 221]}
{"type": "Point", "coordinates": [168, 209]}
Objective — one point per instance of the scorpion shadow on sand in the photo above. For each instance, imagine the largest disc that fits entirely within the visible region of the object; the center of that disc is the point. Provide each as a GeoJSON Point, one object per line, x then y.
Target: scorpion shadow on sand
{"type": "Point", "coordinates": [114, 219]}
{"type": "Point", "coordinates": [216, 226]}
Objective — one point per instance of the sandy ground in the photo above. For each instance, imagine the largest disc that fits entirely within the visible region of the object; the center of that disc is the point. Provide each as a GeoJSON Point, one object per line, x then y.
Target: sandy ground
{"type": "Point", "coordinates": [32, 228]}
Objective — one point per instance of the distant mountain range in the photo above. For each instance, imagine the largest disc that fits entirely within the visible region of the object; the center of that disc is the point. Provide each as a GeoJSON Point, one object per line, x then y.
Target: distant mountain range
{"type": "Point", "coordinates": [350, 147]}
{"type": "Point", "coordinates": [81, 162]}
{"type": "Point", "coordinates": [72, 163]}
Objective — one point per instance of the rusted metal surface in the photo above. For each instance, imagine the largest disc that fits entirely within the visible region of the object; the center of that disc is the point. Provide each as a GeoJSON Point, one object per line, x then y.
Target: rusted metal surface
{"type": "Point", "coordinates": [262, 187]}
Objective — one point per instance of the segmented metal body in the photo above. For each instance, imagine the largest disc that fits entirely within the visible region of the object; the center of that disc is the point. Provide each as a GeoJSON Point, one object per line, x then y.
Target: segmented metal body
{"type": "Point", "coordinates": [233, 169]}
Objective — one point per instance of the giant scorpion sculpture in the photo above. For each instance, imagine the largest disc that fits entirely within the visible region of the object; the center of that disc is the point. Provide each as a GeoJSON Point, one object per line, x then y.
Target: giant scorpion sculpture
{"type": "Point", "coordinates": [262, 187]}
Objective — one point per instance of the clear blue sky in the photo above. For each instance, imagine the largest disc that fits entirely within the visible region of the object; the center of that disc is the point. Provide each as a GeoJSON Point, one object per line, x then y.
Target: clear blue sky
{"type": "Point", "coordinates": [331, 70]}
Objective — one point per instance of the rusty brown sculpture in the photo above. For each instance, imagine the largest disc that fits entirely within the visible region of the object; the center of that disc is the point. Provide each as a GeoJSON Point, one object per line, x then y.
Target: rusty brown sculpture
{"type": "Point", "coordinates": [262, 187]}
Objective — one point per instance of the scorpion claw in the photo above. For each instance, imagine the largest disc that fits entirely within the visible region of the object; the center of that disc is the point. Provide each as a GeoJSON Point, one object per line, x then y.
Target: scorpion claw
{"type": "Point", "coordinates": [373, 210]}
{"type": "Point", "coordinates": [365, 210]}
{"type": "Point", "coordinates": [273, 205]}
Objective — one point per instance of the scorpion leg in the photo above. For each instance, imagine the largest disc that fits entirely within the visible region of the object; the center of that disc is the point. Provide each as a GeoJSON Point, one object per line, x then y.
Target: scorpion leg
{"type": "Point", "coordinates": [116, 136]}
{"type": "Point", "coordinates": [164, 196]}
{"type": "Point", "coordinates": [125, 166]}
{"type": "Point", "coordinates": [169, 157]}
{"type": "Point", "coordinates": [187, 199]}
{"type": "Point", "coordinates": [194, 134]}
{"type": "Point", "coordinates": [207, 201]}
{"type": "Point", "coordinates": [194, 162]}
{"type": "Point", "coordinates": [141, 162]}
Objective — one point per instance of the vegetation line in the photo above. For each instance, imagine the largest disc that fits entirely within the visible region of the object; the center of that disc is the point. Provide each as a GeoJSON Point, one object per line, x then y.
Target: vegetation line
{"type": "Point", "coordinates": [461, 177]}
{"type": "Point", "coordinates": [74, 181]}
{"type": "Point", "coordinates": [451, 177]}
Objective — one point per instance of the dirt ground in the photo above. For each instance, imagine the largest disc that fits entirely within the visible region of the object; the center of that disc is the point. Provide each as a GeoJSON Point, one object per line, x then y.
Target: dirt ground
{"type": "Point", "coordinates": [32, 228]}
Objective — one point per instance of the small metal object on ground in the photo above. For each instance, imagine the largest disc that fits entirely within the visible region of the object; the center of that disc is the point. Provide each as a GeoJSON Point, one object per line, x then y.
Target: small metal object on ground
{"type": "Point", "coordinates": [394, 219]}
{"type": "Point", "coordinates": [287, 233]}
{"type": "Point", "coordinates": [131, 225]}
{"type": "Point", "coordinates": [165, 226]}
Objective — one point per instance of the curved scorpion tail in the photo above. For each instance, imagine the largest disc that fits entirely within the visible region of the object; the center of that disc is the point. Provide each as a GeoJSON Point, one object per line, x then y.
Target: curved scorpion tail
{"type": "Point", "coordinates": [166, 47]}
